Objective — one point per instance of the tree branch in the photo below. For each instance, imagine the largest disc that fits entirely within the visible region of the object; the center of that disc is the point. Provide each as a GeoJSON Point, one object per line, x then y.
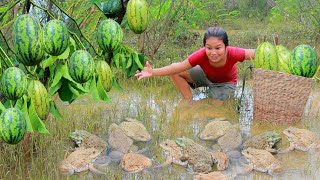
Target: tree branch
{"type": "Point", "coordinates": [54, 2]}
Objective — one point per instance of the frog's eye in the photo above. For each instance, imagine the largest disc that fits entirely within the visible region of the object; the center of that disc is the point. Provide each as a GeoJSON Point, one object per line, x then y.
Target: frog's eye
{"type": "Point", "coordinates": [166, 144]}
{"type": "Point", "coordinates": [289, 131]}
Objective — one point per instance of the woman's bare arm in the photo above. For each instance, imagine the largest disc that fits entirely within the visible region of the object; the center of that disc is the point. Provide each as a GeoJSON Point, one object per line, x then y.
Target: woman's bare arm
{"type": "Point", "coordinates": [171, 69]}
{"type": "Point", "coordinates": [249, 54]}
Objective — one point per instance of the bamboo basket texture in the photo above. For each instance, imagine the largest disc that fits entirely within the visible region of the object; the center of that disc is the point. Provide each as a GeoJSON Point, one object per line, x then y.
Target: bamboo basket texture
{"type": "Point", "coordinates": [279, 97]}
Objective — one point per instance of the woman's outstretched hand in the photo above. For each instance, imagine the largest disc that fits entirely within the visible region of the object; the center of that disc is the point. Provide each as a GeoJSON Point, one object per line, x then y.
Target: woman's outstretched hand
{"type": "Point", "coordinates": [145, 73]}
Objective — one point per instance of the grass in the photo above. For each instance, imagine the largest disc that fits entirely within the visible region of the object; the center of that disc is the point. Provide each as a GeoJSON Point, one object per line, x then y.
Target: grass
{"type": "Point", "coordinates": [155, 102]}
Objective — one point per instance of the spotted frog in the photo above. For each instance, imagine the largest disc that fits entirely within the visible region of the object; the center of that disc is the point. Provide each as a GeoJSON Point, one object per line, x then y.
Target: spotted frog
{"type": "Point", "coordinates": [197, 156]}
{"type": "Point", "coordinates": [173, 153]}
{"type": "Point", "coordinates": [80, 160]}
{"type": "Point", "coordinates": [301, 139]}
{"type": "Point", "coordinates": [265, 141]}
{"type": "Point", "coordinates": [262, 160]}
{"type": "Point", "coordinates": [85, 140]}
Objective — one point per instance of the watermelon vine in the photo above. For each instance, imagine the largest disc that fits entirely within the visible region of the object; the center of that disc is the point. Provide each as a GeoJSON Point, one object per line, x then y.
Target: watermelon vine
{"type": "Point", "coordinates": [54, 59]}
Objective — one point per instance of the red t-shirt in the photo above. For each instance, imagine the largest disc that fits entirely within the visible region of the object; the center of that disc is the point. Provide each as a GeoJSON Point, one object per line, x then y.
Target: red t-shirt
{"type": "Point", "coordinates": [228, 73]}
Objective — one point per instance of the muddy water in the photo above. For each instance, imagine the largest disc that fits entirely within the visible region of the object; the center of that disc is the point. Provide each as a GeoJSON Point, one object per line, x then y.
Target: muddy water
{"type": "Point", "coordinates": [168, 117]}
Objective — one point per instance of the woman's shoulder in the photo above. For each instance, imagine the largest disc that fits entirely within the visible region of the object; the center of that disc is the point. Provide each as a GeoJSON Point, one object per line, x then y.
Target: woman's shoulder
{"type": "Point", "coordinates": [236, 53]}
{"type": "Point", "coordinates": [199, 52]}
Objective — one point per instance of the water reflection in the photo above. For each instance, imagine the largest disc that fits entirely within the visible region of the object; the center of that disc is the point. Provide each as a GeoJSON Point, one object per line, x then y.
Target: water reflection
{"type": "Point", "coordinates": [171, 118]}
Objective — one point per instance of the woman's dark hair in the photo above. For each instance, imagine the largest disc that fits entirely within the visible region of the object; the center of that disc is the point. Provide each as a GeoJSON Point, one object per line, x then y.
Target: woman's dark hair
{"type": "Point", "coordinates": [217, 32]}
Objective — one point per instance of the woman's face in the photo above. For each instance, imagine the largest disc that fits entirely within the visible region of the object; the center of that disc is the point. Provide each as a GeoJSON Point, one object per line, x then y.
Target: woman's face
{"type": "Point", "coordinates": [215, 50]}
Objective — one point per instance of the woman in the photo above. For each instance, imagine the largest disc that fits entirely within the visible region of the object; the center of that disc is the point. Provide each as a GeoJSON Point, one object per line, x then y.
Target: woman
{"type": "Point", "coordinates": [212, 66]}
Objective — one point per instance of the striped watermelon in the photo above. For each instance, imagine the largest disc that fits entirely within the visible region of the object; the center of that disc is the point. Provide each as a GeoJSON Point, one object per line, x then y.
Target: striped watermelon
{"type": "Point", "coordinates": [55, 37]}
{"type": "Point", "coordinates": [266, 56]}
{"type": "Point", "coordinates": [39, 97]}
{"type": "Point", "coordinates": [13, 83]}
{"type": "Point", "coordinates": [109, 35]}
{"type": "Point", "coordinates": [13, 126]}
{"type": "Point", "coordinates": [105, 74]}
{"type": "Point", "coordinates": [284, 56]}
{"type": "Point", "coordinates": [138, 15]}
{"type": "Point", "coordinates": [27, 40]}
{"type": "Point", "coordinates": [81, 66]}
{"type": "Point", "coordinates": [111, 8]}
{"type": "Point", "coordinates": [304, 61]}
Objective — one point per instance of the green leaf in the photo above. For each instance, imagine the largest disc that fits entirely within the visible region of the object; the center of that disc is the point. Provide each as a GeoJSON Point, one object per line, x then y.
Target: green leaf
{"type": "Point", "coordinates": [79, 87]}
{"type": "Point", "coordinates": [72, 45]}
{"type": "Point", "coordinates": [116, 84]}
{"type": "Point", "coordinates": [57, 75]}
{"type": "Point", "coordinates": [64, 92]}
{"type": "Point", "coordinates": [123, 62]}
{"type": "Point", "coordinates": [2, 108]}
{"type": "Point", "coordinates": [48, 62]}
{"type": "Point", "coordinates": [116, 60]}
{"type": "Point", "coordinates": [97, 2]}
{"type": "Point", "coordinates": [102, 93]}
{"type": "Point", "coordinates": [54, 89]}
{"type": "Point", "coordinates": [141, 58]}
{"type": "Point", "coordinates": [54, 111]}
{"type": "Point", "coordinates": [65, 73]}
{"type": "Point", "coordinates": [137, 60]}
{"type": "Point", "coordinates": [36, 122]}
{"type": "Point", "coordinates": [24, 110]}
{"type": "Point", "coordinates": [132, 70]}
{"type": "Point", "coordinates": [65, 54]}
{"type": "Point", "coordinates": [73, 90]}
{"type": "Point", "coordinates": [93, 89]}
{"type": "Point", "coordinates": [129, 61]}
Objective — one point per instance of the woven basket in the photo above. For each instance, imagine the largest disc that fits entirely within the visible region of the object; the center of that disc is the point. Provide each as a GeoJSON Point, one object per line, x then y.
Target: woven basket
{"type": "Point", "coordinates": [279, 97]}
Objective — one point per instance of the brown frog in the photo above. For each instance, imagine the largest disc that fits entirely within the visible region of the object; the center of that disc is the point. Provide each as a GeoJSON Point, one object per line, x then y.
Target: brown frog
{"type": "Point", "coordinates": [215, 129]}
{"type": "Point", "coordinates": [197, 156]}
{"type": "Point", "coordinates": [118, 140]}
{"type": "Point", "coordinates": [265, 141]}
{"type": "Point", "coordinates": [221, 159]}
{"type": "Point", "coordinates": [231, 141]}
{"type": "Point", "coordinates": [210, 176]}
{"type": "Point", "coordinates": [173, 153]}
{"type": "Point", "coordinates": [262, 160]}
{"type": "Point", "coordinates": [85, 140]}
{"type": "Point", "coordinates": [135, 162]}
{"type": "Point", "coordinates": [80, 160]}
{"type": "Point", "coordinates": [135, 130]}
{"type": "Point", "coordinates": [301, 139]}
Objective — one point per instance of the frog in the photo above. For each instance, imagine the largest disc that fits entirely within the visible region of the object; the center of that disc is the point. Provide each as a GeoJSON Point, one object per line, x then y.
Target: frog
{"type": "Point", "coordinates": [262, 160]}
{"type": "Point", "coordinates": [215, 129]}
{"type": "Point", "coordinates": [118, 140]}
{"type": "Point", "coordinates": [135, 162]}
{"type": "Point", "coordinates": [210, 176]}
{"type": "Point", "coordinates": [265, 140]}
{"type": "Point", "coordinates": [230, 143]}
{"type": "Point", "coordinates": [301, 139]}
{"type": "Point", "coordinates": [80, 160]}
{"type": "Point", "coordinates": [198, 157]}
{"type": "Point", "coordinates": [173, 153]}
{"type": "Point", "coordinates": [232, 140]}
{"type": "Point", "coordinates": [135, 130]}
{"type": "Point", "coordinates": [221, 159]}
{"type": "Point", "coordinates": [84, 140]}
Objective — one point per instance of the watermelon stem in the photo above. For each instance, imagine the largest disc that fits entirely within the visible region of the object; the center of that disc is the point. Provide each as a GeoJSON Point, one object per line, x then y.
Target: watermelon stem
{"type": "Point", "coordinates": [32, 73]}
{"type": "Point", "coordinates": [6, 59]}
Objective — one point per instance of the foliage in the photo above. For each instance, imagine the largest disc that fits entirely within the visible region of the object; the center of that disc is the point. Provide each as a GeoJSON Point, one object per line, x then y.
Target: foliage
{"type": "Point", "coordinates": [304, 13]}
{"type": "Point", "coordinates": [82, 19]}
